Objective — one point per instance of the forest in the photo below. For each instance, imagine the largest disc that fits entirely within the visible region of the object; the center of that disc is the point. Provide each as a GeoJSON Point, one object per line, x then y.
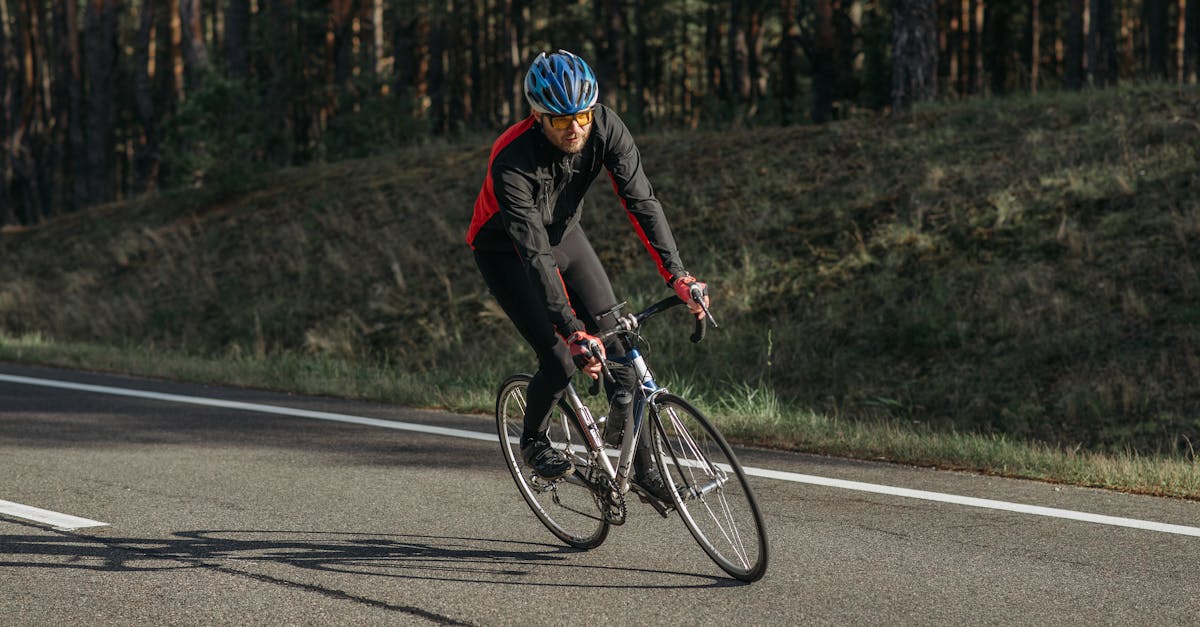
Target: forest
{"type": "Point", "coordinates": [104, 100]}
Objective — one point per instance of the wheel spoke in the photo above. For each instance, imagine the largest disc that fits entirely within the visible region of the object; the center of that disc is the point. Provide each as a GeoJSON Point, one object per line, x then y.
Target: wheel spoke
{"type": "Point", "coordinates": [714, 498]}
{"type": "Point", "coordinates": [566, 507]}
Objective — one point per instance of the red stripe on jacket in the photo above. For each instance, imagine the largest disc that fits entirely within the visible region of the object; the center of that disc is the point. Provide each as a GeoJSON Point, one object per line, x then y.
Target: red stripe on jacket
{"type": "Point", "coordinates": [641, 233]}
{"type": "Point", "coordinates": [486, 205]}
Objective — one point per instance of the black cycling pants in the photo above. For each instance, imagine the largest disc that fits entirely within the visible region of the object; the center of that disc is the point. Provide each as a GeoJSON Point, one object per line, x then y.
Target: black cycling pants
{"type": "Point", "coordinates": [590, 293]}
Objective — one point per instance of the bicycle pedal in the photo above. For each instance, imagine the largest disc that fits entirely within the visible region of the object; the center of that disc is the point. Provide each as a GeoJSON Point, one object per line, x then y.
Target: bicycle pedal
{"type": "Point", "coordinates": [663, 509]}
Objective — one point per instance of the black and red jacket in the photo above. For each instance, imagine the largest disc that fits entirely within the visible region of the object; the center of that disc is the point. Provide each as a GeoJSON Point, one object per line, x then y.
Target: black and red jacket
{"type": "Point", "coordinates": [533, 194]}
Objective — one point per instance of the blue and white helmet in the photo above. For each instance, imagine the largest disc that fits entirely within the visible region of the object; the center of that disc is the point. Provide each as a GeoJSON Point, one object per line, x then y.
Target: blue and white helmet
{"type": "Point", "coordinates": [560, 84]}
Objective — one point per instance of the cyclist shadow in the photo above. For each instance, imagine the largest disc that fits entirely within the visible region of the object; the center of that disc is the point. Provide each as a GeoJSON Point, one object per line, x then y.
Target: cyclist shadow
{"type": "Point", "coordinates": [418, 557]}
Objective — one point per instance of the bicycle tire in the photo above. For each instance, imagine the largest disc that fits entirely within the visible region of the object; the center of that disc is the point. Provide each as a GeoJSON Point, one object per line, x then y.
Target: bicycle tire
{"type": "Point", "coordinates": [709, 488]}
{"type": "Point", "coordinates": [568, 508]}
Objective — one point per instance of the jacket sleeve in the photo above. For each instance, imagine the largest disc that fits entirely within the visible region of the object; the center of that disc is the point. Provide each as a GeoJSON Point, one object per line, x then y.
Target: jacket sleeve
{"type": "Point", "coordinates": [624, 164]}
{"type": "Point", "coordinates": [515, 195]}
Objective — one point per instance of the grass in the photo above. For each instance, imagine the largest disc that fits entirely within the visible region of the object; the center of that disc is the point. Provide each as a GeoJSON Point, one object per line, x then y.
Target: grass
{"type": "Point", "coordinates": [1004, 285]}
{"type": "Point", "coordinates": [751, 415]}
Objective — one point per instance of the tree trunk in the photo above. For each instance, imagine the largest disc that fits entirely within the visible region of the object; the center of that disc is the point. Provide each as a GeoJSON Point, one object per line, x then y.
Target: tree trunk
{"type": "Point", "coordinates": [8, 77]}
{"type": "Point", "coordinates": [998, 41]}
{"type": "Point", "coordinates": [148, 157]}
{"type": "Point", "coordinates": [758, 73]}
{"type": "Point", "coordinates": [437, 73]}
{"type": "Point", "coordinates": [1102, 44]}
{"type": "Point", "coordinates": [1073, 70]}
{"type": "Point", "coordinates": [739, 60]}
{"type": "Point", "coordinates": [101, 65]}
{"type": "Point", "coordinates": [615, 66]}
{"type": "Point", "coordinates": [510, 62]}
{"type": "Point", "coordinates": [404, 68]}
{"type": "Point", "coordinates": [1154, 29]}
{"type": "Point", "coordinates": [56, 174]}
{"type": "Point", "coordinates": [788, 61]}
{"type": "Point", "coordinates": [195, 52]}
{"type": "Point", "coordinates": [914, 50]}
{"type": "Point", "coordinates": [1180, 40]}
{"type": "Point", "coordinates": [974, 48]}
{"type": "Point", "coordinates": [341, 38]}
{"type": "Point", "coordinates": [1191, 45]}
{"type": "Point", "coordinates": [823, 64]}
{"type": "Point", "coordinates": [237, 38]}
{"type": "Point", "coordinates": [716, 77]}
{"type": "Point", "coordinates": [70, 78]}
{"type": "Point", "coordinates": [950, 50]}
{"type": "Point", "coordinates": [1035, 44]}
{"type": "Point", "coordinates": [25, 115]}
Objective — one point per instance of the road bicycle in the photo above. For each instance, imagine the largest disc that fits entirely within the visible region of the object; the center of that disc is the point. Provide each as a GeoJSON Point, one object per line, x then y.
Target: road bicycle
{"type": "Point", "coordinates": [707, 485]}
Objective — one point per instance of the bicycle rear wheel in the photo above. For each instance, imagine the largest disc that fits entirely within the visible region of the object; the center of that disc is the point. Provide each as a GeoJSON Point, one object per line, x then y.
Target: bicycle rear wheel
{"type": "Point", "coordinates": [709, 488]}
{"type": "Point", "coordinates": [567, 506]}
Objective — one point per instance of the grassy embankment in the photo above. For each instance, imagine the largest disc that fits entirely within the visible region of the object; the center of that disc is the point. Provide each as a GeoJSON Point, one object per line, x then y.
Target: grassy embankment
{"type": "Point", "coordinates": [1008, 286]}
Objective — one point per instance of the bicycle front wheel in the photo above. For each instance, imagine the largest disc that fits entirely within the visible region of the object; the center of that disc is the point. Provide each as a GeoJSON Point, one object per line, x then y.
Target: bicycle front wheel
{"type": "Point", "coordinates": [567, 506]}
{"type": "Point", "coordinates": [709, 488]}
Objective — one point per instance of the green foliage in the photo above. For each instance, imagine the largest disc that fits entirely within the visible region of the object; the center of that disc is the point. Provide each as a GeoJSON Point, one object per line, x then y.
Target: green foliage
{"type": "Point", "coordinates": [369, 122]}
{"type": "Point", "coordinates": [215, 138]}
{"type": "Point", "coordinates": [1023, 269]}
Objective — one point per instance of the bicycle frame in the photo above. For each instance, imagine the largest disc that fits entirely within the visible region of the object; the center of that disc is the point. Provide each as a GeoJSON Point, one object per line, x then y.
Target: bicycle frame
{"type": "Point", "coordinates": [647, 390]}
{"type": "Point", "coordinates": [708, 488]}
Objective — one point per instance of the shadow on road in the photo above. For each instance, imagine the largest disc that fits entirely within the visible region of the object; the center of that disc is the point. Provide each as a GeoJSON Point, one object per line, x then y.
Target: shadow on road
{"type": "Point", "coordinates": [260, 554]}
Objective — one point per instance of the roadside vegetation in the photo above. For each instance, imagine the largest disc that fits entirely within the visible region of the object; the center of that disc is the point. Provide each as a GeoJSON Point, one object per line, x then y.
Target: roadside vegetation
{"type": "Point", "coordinates": [1007, 286]}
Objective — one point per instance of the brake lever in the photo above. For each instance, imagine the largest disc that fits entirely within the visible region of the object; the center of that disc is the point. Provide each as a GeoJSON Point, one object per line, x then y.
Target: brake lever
{"type": "Point", "coordinates": [698, 297]}
{"type": "Point", "coordinates": [594, 349]}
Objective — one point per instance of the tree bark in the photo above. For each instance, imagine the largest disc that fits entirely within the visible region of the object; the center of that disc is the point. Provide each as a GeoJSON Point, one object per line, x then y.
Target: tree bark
{"type": "Point", "coordinates": [1073, 70]}
{"type": "Point", "coordinates": [823, 64]}
{"type": "Point", "coordinates": [615, 65]}
{"type": "Point", "coordinates": [70, 79]}
{"type": "Point", "coordinates": [510, 62]}
{"type": "Point", "coordinates": [237, 38]}
{"type": "Point", "coordinates": [914, 50]}
{"type": "Point", "coordinates": [974, 47]}
{"type": "Point", "coordinates": [341, 22]}
{"type": "Point", "coordinates": [30, 125]}
{"type": "Point", "coordinates": [1191, 40]}
{"type": "Point", "coordinates": [148, 155]}
{"type": "Point", "coordinates": [8, 77]}
{"type": "Point", "coordinates": [998, 41]}
{"type": "Point", "coordinates": [739, 60]}
{"type": "Point", "coordinates": [717, 78]}
{"type": "Point", "coordinates": [195, 52]}
{"type": "Point", "coordinates": [101, 67]}
{"type": "Point", "coordinates": [788, 61]}
{"type": "Point", "coordinates": [1102, 44]}
{"type": "Point", "coordinates": [1035, 38]}
{"type": "Point", "coordinates": [1154, 29]}
{"type": "Point", "coordinates": [437, 73]}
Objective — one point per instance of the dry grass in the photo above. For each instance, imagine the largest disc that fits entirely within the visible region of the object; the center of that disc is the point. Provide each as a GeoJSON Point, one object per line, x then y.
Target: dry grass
{"type": "Point", "coordinates": [1018, 270]}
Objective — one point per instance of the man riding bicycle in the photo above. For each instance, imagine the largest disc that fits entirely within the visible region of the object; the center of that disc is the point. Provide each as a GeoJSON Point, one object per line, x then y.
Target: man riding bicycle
{"type": "Point", "coordinates": [538, 263]}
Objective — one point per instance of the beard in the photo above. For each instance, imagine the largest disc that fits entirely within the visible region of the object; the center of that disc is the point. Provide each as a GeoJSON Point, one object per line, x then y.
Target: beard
{"type": "Point", "coordinates": [574, 145]}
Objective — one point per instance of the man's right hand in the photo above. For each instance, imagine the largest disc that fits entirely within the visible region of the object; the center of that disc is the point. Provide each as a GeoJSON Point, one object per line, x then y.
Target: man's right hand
{"type": "Point", "coordinates": [581, 345]}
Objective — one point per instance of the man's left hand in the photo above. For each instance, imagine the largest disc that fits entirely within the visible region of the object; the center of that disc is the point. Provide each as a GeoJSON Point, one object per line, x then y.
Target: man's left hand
{"type": "Point", "coordinates": [686, 288]}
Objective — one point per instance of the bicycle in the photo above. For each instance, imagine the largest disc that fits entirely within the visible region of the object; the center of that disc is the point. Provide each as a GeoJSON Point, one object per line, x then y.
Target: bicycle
{"type": "Point", "coordinates": [707, 484]}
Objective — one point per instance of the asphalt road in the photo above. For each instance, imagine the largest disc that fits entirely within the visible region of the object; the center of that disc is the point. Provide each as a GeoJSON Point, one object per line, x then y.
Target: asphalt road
{"type": "Point", "coordinates": [220, 515]}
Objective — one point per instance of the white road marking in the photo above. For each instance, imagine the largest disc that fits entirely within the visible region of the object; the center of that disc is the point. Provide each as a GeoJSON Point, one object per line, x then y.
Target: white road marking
{"type": "Point", "coordinates": [970, 501]}
{"type": "Point", "coordinates": [491, 437]}
{"type": "Point", "coordinates": [255, 407]}
{"type": "Point", "coordinates": [62, 522]}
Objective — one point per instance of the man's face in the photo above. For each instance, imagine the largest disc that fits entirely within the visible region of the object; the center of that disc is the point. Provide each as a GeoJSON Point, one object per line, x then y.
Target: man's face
{"type": "Point", "coordinates": [574, 134]}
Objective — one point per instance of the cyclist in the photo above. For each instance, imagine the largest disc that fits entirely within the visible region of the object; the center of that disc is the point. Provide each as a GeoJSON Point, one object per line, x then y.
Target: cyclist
{"type": "Point", "coordinates": [538, 263]}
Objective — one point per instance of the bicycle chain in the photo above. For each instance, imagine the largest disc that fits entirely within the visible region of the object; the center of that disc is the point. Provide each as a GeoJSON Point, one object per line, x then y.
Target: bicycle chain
{"type": "Point", "coordinates": [608, 497]}
{"type": "Point", "coordinates": [614, 505]}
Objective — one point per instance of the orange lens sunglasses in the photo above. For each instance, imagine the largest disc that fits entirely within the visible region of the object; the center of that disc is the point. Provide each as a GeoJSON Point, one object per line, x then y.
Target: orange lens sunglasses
{"type": "Point", "coordinates": [561, 122]}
